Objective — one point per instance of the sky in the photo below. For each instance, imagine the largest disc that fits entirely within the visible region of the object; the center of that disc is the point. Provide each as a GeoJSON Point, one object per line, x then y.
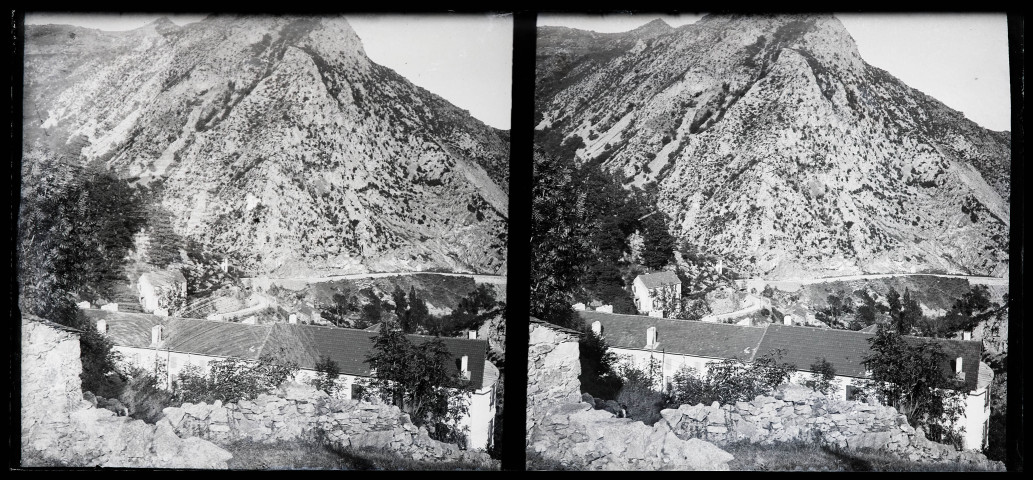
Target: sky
{"type": "Point", "coordinates": [466, 59]}
{"type": "Point", "coordinates": [959, 59]}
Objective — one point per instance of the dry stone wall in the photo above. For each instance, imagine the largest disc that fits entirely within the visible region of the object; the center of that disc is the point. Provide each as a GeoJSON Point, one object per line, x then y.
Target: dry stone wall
{"type": "Point", "coordinates": [577, 436]}
{"type": "Point", "coordinates": [553, 367]}
{"type": "Point", "coordinates": [299, 411]}
{"type": "Point", "coordinates": [796, 413]}
{"type": "Point", "coordinates": [563, 429]}
{"type": "Point", "coordinates": [59, 424]}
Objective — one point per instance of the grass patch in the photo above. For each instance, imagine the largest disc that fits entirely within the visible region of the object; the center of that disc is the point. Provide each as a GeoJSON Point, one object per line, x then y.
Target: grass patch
{"type": "Point", "coordinates": [32, 458]}
{"type": "Point", "coordinates": [535, 461]}
{"type": "Point", "coordinates": [800, 456]}
{"type": "Point", "coordinates": [313, 455]}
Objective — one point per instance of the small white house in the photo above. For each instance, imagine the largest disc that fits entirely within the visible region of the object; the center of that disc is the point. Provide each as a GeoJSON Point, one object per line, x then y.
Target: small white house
{"type": "Point", "coordinates": [152, 284]}
{"type": "Point", "coordinates": [657, 291]}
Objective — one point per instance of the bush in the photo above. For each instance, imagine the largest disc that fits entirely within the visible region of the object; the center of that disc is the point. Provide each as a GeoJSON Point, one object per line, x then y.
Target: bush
{"type": "Point", "coordinates": [599, 376]}
{"type": "Point", "coordinates": [233, 379]}
{"type": "Point", "coordinates": [144, 394]}
{"type": "Point", "coordinates": [641, 395]}
{"type": "Point", "coordinates": [823, 376]}
{"type": "Point", "coordinates": [327, 373]}
{"type": "Point", "coordinates": [729, 381]}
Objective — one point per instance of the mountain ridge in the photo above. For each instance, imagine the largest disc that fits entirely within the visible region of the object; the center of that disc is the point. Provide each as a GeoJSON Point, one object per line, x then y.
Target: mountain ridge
{"type": "Point", "coordinates": [275, 140]}
{"type": "Point", "coordinates": [773, 143]}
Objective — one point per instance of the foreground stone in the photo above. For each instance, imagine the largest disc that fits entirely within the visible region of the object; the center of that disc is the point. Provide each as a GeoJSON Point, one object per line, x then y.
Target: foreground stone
{"type": "Point", "coordinates": [301, 412]}
{"type": "Point", "coordinates": [60, 424]}
{"type": "Point", "coordinates": [797, 413]}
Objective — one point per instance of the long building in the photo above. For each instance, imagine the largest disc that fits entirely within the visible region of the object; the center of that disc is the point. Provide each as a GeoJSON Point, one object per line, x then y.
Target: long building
{"type": "Point", "coordinates": [146, 340]}
{"type": "Point", "coordinates": [683, 343]}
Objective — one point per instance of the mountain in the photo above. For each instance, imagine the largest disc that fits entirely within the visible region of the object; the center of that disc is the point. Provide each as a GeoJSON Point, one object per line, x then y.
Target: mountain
{"type": "Point", "coordinates": [774, 145]}
{"type": "Point", "coordinates": [277, 141]}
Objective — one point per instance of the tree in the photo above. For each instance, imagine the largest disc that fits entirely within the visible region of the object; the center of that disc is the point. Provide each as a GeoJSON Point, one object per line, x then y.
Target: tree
{"type": "Point", "coordinates": [341, 306]}
{"type": "Point", "coordinates": [866, 312]}
{"type": "Point", "coordinates": [912, 376]}
{"type": "Point", "coordinates": [599, 376]}
{"type": "Point", "coordinates": [823, 376]}
{"type": "Point", "coordinates": [559, 234]}
{"type": "Point", "coordinates": [973, 308]}
{"type": "Point", "coordinates": [657, 242]}
{"type": "Point", "coordinates": [895, 307]}
{"type": "Point", "coordinates": [910, 314]}
{"type": "Point", "coordinates": [416, 378]}
{"type": "Point", "coordinates": [401, 304]}
{"type": "Point", "coordinates": [418, 313]}
{"type": "Point", "coordinates": [327, 372]}
{"type": "Point", "coordinates": [75, 229]}
{"type": "Point", "coordinates": [372, 312]}
{"type": "Point", "coordinates": [695, 309]}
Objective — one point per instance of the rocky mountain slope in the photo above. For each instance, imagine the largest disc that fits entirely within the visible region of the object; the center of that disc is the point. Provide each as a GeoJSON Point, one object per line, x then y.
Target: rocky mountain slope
{"type": "Point", "coordinates": [775, 146]}
{"type": "Point", "coordinates": [277, 141]}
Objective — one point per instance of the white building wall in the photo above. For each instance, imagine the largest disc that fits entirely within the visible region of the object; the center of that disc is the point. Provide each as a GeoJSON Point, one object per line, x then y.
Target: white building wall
{"type": "Point", "coordinates": [976, 416]}
{"type": "Point", "coordinates": [479, 419]}
{"type": "Point", "coordinates": [642, 299]}
{"type": "Point", "coordinates": [148, 296]}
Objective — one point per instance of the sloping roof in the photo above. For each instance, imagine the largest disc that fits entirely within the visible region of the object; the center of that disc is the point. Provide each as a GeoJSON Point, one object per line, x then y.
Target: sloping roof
{"type": "Point", "coordinates": [26, 317]}
{"type": "Point", "coordinates": [349, 347]}
{"type": "Point", "coordinates": [126, 329]}
{"type": "Point", "coordinates": [165, 277]}
{"type": "Point", "coordinates": [218, 339]}
{"type": "Point", "coordinates": [986, 375]}
{"type": "Point", "coordinates": [846, 349]}
{"type": "Point", "coordinates": [554, 326]}
{"type": "Point", "coordinates": [304, 344]}
{"type": "Point", "coordinates": [491, 374]}
{"type": "Point", "coordinates": [704, 339]}
{"type": "Point", "coordinates": [657, 279]}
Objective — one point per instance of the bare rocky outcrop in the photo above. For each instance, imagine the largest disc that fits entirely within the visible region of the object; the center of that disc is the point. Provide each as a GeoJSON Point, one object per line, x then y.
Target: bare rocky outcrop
{"type": "Point", "coordinates": [299, 411]}
{"type": "Point", "coordinates": [60, 424]}
{"type": "Point", "coordinates": [562, 428]}
{"type": "Point", "coordinates": [796, 413]}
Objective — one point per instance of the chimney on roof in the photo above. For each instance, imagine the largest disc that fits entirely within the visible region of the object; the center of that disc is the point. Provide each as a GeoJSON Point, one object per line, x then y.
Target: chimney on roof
{"type": "Point", "coordinates": [966, 335]}
{"type": "Point", "coordinates": [472, 335]}
{"type": "Point", "coordinates": [102, 326]}
{"type": "Point", "coordinates": [597, 327]}
{"type": "Point", "coordinates": [787, 319]}
{"type": "Point", "coordinates": [156, 334]}
{"type": "Point", "coordinates": [650, 336]}
{"type": "Point", "coordinates": [292, 318]}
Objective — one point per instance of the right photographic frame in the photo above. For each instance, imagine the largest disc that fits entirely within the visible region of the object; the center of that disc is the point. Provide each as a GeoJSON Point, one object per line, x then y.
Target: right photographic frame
{"type": "Point", "coordinates": [771, 242]}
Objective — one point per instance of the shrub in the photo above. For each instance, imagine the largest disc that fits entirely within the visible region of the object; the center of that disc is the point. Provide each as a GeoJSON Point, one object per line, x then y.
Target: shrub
{"type": "Point", "coordinates": [823, 376]}
{"type": "Point", "coordinates": [233, 379]}
{"type": "Point", "coordinates": [144, 394]}
{"type": "Point", "coordinates": [729, 381]}
{"type": "Point", "coordinates": [641, 394]}
{"type": "Point", "coordinates": [327, 373]}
